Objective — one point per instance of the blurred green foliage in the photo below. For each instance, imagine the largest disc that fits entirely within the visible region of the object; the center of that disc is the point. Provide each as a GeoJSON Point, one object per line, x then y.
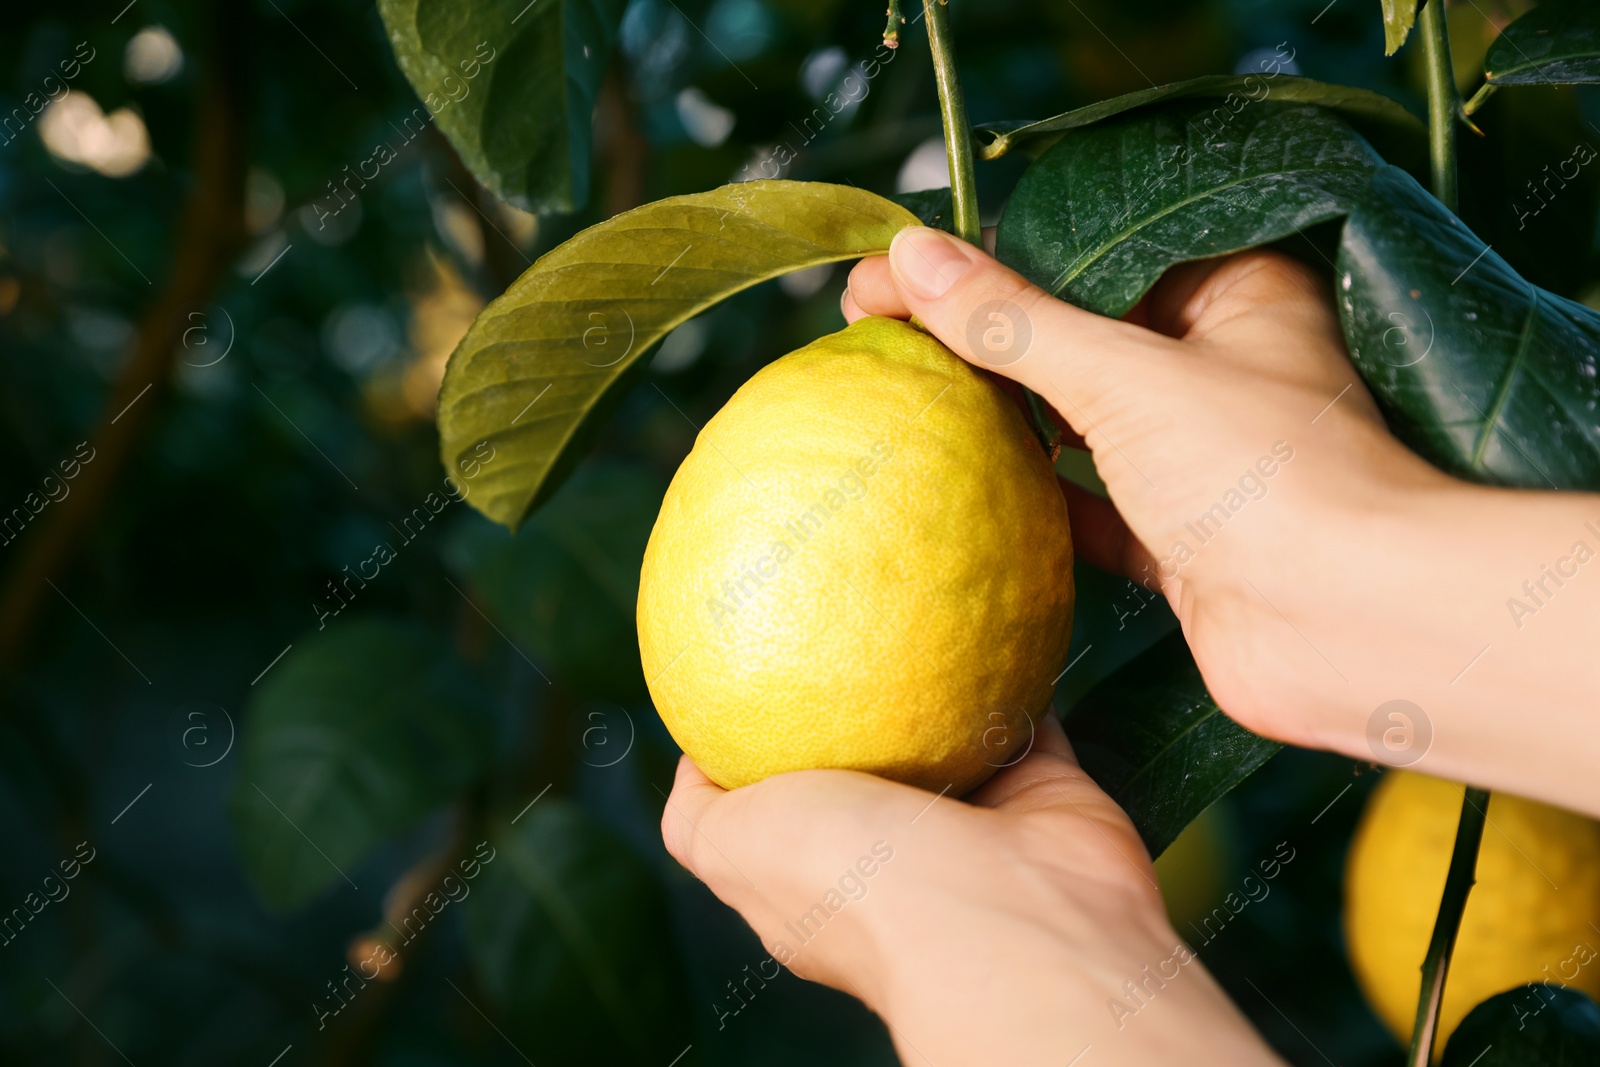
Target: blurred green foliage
{"type": "Point", "coordinates": [479, 673]}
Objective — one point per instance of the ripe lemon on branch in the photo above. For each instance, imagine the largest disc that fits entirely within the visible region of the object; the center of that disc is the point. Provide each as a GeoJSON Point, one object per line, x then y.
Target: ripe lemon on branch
{"type": "Point", "coordinates": [1533, 914]}
{"type": "Point", "coordinates": [864, 563]}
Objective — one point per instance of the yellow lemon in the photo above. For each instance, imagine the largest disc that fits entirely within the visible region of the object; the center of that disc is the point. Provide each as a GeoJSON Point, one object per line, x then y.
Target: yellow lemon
{"type": "Point", "coordinates": [1193, 870]}
{"type": "Point", "coordinates": [1531, 917]}
{"type": "Point", "coordinates": [864, 563]}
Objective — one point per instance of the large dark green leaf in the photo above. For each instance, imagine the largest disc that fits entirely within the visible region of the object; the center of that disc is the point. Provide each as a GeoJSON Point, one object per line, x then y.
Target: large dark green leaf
{"type": "Point", "coordinates": [1484, 374]}
{"type": "Point", "coordinates": [570, 936]}
{"type": "Point", "coordinates": [1538, 1025]}
{"type": "Point", "coordinates": [361, 730]}
{"type": "Point", "coordinates": [1398, 18]}
{"type": "Point", "coordinates": [1153, 738]}
{"type": "Point", "coordinates": [1105, 212]}
{"type": "Point", "coordinates": [1554, 44]}
{"type": "Point", "coordinates": [512, 84]}
{"type": "Point", "coordinates": [541, 367]}
{"type": "Point", "coordinates": [567, 585]}
{"type": "Point", "coordinates": [1375, 115]}
{"type": "Point", "coordinates": [931, 207]}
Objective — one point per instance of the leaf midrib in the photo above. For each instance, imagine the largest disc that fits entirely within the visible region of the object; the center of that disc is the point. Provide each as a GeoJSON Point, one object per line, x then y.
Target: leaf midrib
{"type": "Point", "coordinates": [1148, 765]}
{"type": "Point", "coordinates": [1070, 274]}
{"type": "Point", "coordinates": [548, 461]}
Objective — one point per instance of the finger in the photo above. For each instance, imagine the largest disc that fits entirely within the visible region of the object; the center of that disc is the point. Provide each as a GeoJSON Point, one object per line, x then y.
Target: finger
{"type": "Point", "coordinates": [849, 308]}
{"type": "Point", "coordinates": [1050, 739]}
{"type": "Point", "coordinates": [1049, 763]}
{"type": "Point", "coordinates": [993, 317]}
{"type": "Point", "coordinates": [1050, 781]}
{"type": "Point", "coordinates": [871, 277]}
{"type": "Point", "coordinates": [1167, 306]}
{"type": "Point", "coordinates": [1264, 284]}
{"type": "Point", "coordinates": [691, 798]}
{"type": "Point", "coordinates": [1101, 537]}
{"type": "Point", "coordinates": [1267, 293]}
{"type": "Point", "coordinates": [1264, 313]}
{"type": "Point", "coordinates": [1069, 437]}
{"type": "Point", "coordinates": [873, 290]}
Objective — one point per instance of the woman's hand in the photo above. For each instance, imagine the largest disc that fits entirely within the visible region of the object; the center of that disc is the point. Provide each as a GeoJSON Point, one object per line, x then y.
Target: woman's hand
{"type": "Point", "coordinates": [1319, 569]}
{"type": "Point", "coordinates": [1004, 929]}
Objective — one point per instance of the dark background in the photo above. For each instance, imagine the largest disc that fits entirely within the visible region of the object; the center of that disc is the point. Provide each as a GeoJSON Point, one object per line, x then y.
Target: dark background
{"type": "Point", "coordinates": [198, 544]}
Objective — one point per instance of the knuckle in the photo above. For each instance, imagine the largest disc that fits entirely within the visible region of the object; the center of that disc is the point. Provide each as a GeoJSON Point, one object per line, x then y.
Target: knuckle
{"type": "Point", "coordinates": [1276, 270]}
{"type": "Point", "coordinates": [678, 836]}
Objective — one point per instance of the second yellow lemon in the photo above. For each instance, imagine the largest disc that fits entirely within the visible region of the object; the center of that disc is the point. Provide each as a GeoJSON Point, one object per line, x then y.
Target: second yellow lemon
{"type": "Point", "coordinates": [864, 563]}
{"type": "Point", "coordinates": [1531, 917]}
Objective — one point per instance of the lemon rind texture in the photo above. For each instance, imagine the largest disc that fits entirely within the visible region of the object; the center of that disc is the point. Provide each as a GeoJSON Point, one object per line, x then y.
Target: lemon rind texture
{"type": "Point", "coordinates": [864, 563]}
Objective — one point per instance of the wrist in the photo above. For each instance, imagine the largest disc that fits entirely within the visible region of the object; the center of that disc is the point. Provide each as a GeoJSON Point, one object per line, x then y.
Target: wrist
{"type": "Point", "coordinates": [1018, 963]}
{"type": "Point", "coordinates": [1460, 608]}
{"type": "Point", "coordinates": [1508, 593]}
{"type": "Point", "coordinates": [1135, 993]}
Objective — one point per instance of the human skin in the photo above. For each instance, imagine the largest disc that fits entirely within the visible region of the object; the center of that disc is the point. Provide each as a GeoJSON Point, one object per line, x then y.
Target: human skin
{"type": "Point", "coordinates": [1001, 930]}
{"type": "Point", "coordinates": [1009, 922]}
{"type": "Point", "coordinates": [1364, 575]}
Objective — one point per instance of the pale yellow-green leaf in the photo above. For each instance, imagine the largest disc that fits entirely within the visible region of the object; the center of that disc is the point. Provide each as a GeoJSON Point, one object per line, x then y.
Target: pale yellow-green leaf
{"type": "Point", "coordinates": [532, 378]}
{"type": "Point", "coordinates": [1398, 18]}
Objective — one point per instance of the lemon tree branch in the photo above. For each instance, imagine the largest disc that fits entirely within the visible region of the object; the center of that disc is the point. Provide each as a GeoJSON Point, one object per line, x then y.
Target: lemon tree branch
{"type": "Point", "coordinates": [963, 179]}
{"type": "Point", "coordinates": [1444, 110]}
{"type": "Point", "coordinates": [1444, 103]}
{"type": "Point", "coordinates": [1457, 885]}
{"type": "Point", "coordinates": [957, 134]}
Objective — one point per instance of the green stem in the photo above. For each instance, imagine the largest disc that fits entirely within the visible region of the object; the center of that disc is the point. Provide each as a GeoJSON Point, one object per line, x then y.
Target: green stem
{"type": "Point", "coordinates": [963, 179]}
{"type": "Point", "coordinates": [1479, 98]}
{"type": "Point", "coordinates": [957, 134]}
{"type": "Point", "coordinates": [1444, 112]}
{"type": "Point", "coordinates": [891, 29]}
{"type": "Point", "coordinates": [1043, 425]}
{"type": "Point", "coordinates": [1444, 102]}
{"type": "Point", "coordinates": [1457, 884]}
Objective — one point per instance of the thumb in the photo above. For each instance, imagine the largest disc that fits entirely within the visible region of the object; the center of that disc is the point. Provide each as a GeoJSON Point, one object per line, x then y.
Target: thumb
{"type": "Point", "coordinates": [995, 318]}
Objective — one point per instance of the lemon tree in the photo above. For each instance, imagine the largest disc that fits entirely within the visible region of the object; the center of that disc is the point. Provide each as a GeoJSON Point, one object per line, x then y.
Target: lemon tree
{"type": "Point", "coordinates": [773, 628]}
{"type": "Point", "coordinates": [865, 560]}
{"type": "Point", "coordinates": [349, 350]}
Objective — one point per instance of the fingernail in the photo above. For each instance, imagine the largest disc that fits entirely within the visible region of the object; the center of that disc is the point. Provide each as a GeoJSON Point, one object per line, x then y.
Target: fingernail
{"type": "Point", "coordinates": [843, 298]}
{"type": "Point", "coordinates": [928, 261]}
